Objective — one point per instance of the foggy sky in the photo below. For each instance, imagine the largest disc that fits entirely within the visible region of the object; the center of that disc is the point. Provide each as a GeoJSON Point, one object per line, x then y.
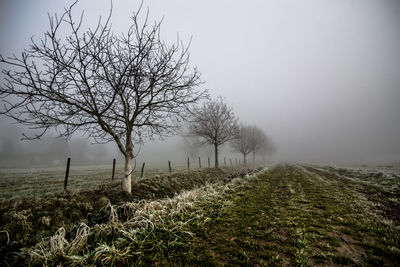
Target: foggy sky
{"type": "Point", "coordinates": [322, 78]}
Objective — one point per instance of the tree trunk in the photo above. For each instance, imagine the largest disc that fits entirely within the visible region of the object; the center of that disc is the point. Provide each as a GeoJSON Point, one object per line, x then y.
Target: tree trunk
{"type": "Point", "coordinates": [126, 180]}
{"type": "Point", "coordinates": [216, 156]}
{"type": "Point", "coordinates": [244, 159]}
{"type": "Point", "coordinates": [254, 158]}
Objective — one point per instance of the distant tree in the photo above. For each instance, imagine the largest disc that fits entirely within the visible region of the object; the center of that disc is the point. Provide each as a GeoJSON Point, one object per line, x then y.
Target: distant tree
{"type": "Point", "coordinates": [120, 88]}
{"type": "Point", "coordinates": [215, 123]}
{"type": "Point", "coordinates": [267, 149]}
{"type": "Point", "coordinates": [258, 141]}
{"type": "Point", "coordinates": [251, 139]}
{"type": "Point", "coordinates": [243, 142]}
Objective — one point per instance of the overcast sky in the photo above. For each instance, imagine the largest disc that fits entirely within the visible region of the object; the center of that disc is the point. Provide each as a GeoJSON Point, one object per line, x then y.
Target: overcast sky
{"type": "Point", "coordinates": [322, 78]}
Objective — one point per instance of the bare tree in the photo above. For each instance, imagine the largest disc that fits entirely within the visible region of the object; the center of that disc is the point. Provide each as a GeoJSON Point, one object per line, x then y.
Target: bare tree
{"type": "Point", "coordinates": [251, 139]}
{"type": "Point", "coordinates": [267, 149]}
{"type": "Point", "coordinates": [243, 142]}
{"type": "Point", "coordinates": [215, 123]}
{"type": "Point", "coordinates": [120, 88]}
{"type": "Point", "coordinates": [258, 140]}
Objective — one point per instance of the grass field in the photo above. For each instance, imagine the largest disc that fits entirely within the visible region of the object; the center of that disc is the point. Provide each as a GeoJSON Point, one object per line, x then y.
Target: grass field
{"type": "Point", "coordinates": [287, 215]}
{"type": "Point", "coordinates": [36, 182]}
{"type": "Point", "coordinates": [15, 184]}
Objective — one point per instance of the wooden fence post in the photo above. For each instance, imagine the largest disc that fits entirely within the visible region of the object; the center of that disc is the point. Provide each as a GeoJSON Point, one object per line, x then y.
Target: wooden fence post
{"type": "Point", "coordinates": [67, 174]}
{"type": "Point", "coordinates": [188, 163]}
{"type": "Point", "coordinates": [199, 163]}
{"type": "Point", "coordinates": [141, 173]}
{"type": "Point", "coordinates": [169, 166]}
{"type": "Point", "coordinates": [113, 171]}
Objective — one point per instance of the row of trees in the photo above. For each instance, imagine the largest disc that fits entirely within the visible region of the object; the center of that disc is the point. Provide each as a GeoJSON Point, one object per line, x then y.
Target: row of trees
{"type": "Point", "coordinates": [121, 88]}
{"type": "Point", "coordinates": [216, 124]}
{"type": "Point", "coordinates": [252, 139]}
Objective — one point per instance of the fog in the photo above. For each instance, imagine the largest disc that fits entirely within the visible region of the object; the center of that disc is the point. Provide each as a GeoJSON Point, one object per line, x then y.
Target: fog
{"type": "Point", "coordinates": [322, 78]}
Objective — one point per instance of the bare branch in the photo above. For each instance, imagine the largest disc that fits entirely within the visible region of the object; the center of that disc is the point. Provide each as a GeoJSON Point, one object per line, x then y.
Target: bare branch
{"type": "Point", "coordinates": [122, 88]}
{"type": "Point", "coordinates": [215, 123]}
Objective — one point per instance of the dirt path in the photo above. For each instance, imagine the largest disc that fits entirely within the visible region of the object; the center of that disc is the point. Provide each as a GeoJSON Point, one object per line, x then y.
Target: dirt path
{"type": "Point", "coordinates": [293, 216]}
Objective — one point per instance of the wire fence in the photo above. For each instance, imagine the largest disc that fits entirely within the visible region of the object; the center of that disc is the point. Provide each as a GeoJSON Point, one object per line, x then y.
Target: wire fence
{"type": "Point", "coordinates": [76, 177]}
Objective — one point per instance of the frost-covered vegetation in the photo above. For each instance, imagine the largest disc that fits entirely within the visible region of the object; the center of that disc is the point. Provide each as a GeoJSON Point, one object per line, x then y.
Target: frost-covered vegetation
{"type": "Point", "coordinates": [136, 232]}
{"type": "Point", "coordinates": [386, 177]}
{"type": "Point", "coordinates": [25, 221]}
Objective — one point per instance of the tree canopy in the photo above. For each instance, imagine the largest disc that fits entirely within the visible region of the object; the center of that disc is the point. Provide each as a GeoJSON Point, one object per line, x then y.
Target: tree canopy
{"type": "Point", "coordinates": [113, 87]}
{"type": "Point", "coordinates": [215, 123]}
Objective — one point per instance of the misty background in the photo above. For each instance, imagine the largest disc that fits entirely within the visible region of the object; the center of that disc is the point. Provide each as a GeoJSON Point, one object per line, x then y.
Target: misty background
{"type": "Point", "coordinates": [322, 78]}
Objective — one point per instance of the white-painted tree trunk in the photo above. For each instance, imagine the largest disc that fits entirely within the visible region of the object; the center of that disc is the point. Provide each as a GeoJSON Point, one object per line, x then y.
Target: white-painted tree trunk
{"type": "Point", "coordinates": [216, 156]}
{"type": "Point", "coordinates": [126, 180]}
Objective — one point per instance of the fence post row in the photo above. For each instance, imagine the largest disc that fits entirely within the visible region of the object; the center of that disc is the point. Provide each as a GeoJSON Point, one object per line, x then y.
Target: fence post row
{"type": "Point", "coordinates": [67, 174]}
{"type": "Point", "coordinates": [142, 170]}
